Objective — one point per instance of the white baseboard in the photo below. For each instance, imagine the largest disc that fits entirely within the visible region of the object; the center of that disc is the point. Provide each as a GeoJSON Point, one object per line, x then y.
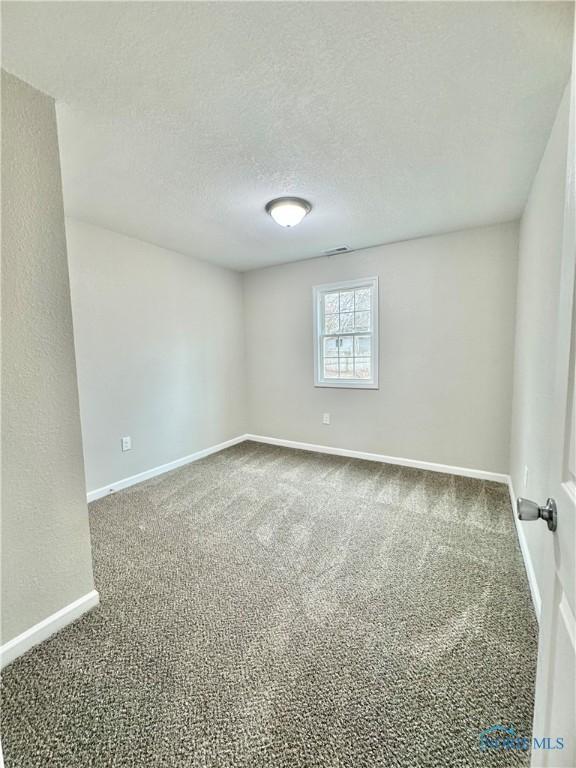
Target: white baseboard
{"type": "Point", "coordinates": [480, 474]}
{"type": "Point", "coordinates": [528, 564]}
{"type": "Point", "coordinates": [47, 627]}
{"type": "Point", "coordinates": [141, 476]}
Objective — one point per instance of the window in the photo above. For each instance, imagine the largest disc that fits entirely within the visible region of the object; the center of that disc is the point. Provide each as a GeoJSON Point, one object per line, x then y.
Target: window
{"type": "Point", "coordinates": [346, 334]}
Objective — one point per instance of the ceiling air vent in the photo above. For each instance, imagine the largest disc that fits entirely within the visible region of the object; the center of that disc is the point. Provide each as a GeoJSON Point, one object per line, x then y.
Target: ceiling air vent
{"type": "Point", "coordinates": [334, 251]}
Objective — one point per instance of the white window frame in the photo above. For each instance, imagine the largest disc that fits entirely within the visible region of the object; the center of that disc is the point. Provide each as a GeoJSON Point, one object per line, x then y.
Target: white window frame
{"type": "Point", "coordinates": [318, 306]}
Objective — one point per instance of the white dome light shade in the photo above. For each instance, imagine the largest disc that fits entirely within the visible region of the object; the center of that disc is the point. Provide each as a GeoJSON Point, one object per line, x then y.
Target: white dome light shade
{"type": "Point", "coordinates": [288, 211]}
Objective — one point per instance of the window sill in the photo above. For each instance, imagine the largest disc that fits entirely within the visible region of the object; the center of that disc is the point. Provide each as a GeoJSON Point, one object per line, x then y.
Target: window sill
{"type": "Point", "coordinates": [345, 385]}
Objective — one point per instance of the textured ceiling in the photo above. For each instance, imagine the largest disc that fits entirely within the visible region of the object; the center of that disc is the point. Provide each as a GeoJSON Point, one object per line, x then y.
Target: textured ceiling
{"type": "Point", "coordinates": [179, 121]}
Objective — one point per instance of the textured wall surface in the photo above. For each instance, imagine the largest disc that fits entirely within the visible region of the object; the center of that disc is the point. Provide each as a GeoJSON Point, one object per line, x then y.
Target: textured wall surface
{"type": "Point", "coordinates": [160, 351]}
{"type": "Point", "coordinates": [540, 254]}
{"type": "Point", "coordinates": [46, 558]}
{"type": "Point", "coordinates": [446, 348]}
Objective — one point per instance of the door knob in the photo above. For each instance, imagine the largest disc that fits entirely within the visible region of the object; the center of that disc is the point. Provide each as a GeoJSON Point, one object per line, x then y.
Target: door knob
{"type": "Point", "coordinates": [529, 510]}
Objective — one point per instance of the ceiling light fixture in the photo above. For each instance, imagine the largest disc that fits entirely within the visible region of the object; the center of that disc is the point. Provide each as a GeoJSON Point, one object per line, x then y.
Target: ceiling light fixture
{"type": "Point", "coordinates": [288, 211]}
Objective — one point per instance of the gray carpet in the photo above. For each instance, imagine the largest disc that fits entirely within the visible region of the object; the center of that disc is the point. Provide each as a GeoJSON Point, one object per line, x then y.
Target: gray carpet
{"type": "Point", "coordinates": [269, 607]}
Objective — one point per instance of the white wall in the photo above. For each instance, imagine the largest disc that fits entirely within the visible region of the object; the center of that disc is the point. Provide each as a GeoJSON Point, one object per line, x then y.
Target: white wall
{"type": "Point", "coordinates": [46, 555]}
{"type": "Point", "coordinates": [447, 307]}
{"type": "Point", "coordinates": [536, 322]}
{"type": "Point", "coordinates": [160, 351]}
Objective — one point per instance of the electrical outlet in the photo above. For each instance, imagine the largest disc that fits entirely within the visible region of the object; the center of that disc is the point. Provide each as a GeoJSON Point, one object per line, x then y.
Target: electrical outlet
{"type": "Point", "coordinates": [326, 418]}
{"type": "Point", "coordinates": [126, 443]}
{"type": "Point", "coordinates": [525, 477]}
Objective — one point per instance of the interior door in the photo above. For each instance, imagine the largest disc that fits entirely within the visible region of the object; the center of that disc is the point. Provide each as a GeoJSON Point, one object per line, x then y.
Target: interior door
{"type": "Point", "coordinates": [555, 711]}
